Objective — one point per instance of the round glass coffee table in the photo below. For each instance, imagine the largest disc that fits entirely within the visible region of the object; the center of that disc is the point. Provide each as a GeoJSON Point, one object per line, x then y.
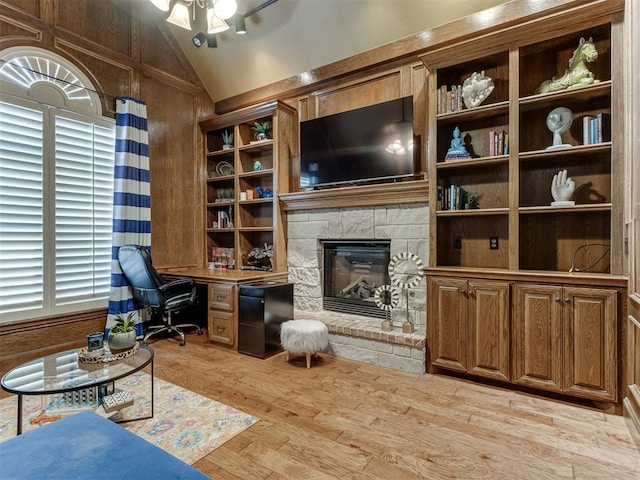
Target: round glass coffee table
{"type": "Point", "coordinates": [72, 383]}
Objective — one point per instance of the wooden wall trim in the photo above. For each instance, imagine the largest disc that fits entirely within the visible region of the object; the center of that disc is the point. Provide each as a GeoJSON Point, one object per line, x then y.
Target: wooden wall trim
{"type": "Point", "coordinates": [38, 323]}
{"type": "Point", "coordinates": [401, 193]}
{"type": "Point", "coordinates": [408, 49]}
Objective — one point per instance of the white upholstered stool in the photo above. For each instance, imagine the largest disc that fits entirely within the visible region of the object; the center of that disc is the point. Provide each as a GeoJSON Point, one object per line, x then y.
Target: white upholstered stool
{"type": "Point", "coordinates": [304, 336]}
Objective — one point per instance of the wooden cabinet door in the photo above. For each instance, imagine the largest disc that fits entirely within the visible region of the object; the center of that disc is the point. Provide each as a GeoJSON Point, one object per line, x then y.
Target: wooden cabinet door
{"type": "Point", "coordinates": [590, 333]}
{"type": "Point", "coordinates": [488, 329]}
{"type": "Point", "coordinates": [537, 334]}
{"type": "Point", "coordinates": [448, 323]}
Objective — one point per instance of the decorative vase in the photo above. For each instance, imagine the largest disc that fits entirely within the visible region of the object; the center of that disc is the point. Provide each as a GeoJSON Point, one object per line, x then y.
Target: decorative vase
{"type": "Point", "coordinates": [257, 165]}
{"type": "Point", "coordinates": [261, 136]}
{"type": "Point", "coordinates": [119, 342]}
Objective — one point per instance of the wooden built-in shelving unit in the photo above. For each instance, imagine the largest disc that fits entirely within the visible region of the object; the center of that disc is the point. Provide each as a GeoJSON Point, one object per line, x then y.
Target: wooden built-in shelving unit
{"type": "Point", "coordinates": [507, 297]}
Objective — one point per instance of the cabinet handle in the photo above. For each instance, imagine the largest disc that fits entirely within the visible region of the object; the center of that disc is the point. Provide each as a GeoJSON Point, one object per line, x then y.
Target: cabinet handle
{"type": "Point", "coordinates": [558, 299]}
{"type": "Point", "coordinates": [220, 329]}
{"type": "Point", "coordinates": [463, 292]}
{"type": "Point", "coordinates": [220, 298]}
{"type": "Point", "coordinates": [567, 300]}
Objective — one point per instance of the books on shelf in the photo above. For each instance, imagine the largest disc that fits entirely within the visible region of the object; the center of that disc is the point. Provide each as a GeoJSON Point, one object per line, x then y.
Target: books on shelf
{"type": "Point", "coordinates": [596, 129]}
{"type": "Point", "coordinates": [451, 197]}
{"type": "Point", "coordinates": [498, 143]}
{"type": "Point", "coordinates": [449, 98]}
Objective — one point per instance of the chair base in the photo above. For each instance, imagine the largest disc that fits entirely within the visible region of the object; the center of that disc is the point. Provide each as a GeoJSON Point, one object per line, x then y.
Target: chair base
{"type": "Point", "coordinates": [171, 329]}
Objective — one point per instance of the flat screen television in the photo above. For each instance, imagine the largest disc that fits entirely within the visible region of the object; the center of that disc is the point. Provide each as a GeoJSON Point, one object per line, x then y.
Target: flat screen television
{"type": "Point", "coordinates": [369, 144]}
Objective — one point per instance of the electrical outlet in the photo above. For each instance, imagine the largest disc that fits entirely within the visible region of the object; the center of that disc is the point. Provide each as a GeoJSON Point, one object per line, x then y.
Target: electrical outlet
{"type": "Point", "coordinates": [493, 243]}
{"type": "Point", "coordinates": [457, 243]}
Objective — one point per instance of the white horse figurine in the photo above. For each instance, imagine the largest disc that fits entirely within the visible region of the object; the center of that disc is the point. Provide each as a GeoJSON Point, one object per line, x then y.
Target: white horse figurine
{"type": "Point", "coordinates": [577, 75]}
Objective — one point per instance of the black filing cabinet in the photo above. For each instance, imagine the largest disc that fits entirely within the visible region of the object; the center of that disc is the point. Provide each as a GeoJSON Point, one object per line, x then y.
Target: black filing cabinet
{"type": "Point", "coordinates": [262, 307]}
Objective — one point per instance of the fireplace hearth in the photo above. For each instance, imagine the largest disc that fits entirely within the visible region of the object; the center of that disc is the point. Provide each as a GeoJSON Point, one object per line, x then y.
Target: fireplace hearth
{"type": "Point", "coordinates": [353, 270]}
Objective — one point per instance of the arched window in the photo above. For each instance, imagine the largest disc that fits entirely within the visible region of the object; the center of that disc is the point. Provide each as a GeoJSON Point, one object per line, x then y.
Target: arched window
{"type": "Point", "coordinates": [56, 188]}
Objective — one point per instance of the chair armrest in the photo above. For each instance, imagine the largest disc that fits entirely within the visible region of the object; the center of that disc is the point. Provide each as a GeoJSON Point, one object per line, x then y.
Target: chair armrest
{"type": "Point", "coordinates": [182, 284]}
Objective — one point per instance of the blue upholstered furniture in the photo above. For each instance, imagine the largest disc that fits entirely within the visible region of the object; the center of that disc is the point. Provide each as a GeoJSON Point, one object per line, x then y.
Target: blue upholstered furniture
{"type": "Point", "coordinates": [88, 446]}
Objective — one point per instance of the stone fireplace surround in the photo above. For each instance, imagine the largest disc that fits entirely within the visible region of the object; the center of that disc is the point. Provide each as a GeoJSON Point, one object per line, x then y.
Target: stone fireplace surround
{"type": "Point", "coordinates": [354, 336]}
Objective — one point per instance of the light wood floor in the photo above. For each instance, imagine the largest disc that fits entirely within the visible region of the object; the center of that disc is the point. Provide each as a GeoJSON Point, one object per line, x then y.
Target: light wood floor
{"type": "Point", "coordinates": [348, 420]}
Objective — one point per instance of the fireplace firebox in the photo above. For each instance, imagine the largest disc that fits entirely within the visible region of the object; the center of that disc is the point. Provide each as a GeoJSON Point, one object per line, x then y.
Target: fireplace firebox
{"type": "Point", "coordinates": [353, 270]}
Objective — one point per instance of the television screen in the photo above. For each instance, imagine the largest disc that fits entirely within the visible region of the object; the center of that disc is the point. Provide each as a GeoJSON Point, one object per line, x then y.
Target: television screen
{"type": "Point", "coordinates": [368, 144]}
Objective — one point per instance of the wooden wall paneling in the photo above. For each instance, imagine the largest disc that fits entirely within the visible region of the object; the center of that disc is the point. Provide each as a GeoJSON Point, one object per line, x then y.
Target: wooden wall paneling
{"type": "Point", "coordinates": [618, 103]}
{"type": "Point", "coordinates": [514, 164]}
{"type": "Point", "coordinates": [33, 8]}
{"type": "Point", "coordinates": [158, 48]}
{"type": "Point", "coordinates": [80, 18]}
{"type": "Point", "coordinates": [175, 221]}
{"type": "Point", "coordinates": [13, 31]}
{"type": "Point", "coordinates": [418, 88]}
{"type": "Point", "coordinates": [364, 92]}
{"type": "Point", "coordinates": [306, 108]}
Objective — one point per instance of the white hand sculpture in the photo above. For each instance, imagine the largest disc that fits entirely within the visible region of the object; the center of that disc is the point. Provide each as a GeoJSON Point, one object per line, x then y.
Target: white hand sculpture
{"type": "Point", "coordinates": [562, 187]}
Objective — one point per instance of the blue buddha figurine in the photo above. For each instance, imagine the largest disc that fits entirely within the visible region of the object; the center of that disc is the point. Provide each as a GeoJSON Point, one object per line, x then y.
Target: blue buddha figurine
{"type": "Point", "coordinates": [457, 149]}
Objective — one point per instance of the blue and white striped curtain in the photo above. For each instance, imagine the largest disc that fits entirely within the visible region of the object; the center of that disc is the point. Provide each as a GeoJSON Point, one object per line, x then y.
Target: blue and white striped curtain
{"type": "Point", "coordinates": [131, 199]}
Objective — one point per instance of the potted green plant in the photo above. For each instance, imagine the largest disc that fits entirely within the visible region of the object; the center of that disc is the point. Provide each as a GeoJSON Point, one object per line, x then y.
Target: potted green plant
{"type": "Point", "coordinates": [470, 200]}
{"type": "Point", "coordinates": [122, 335]}
{"type": "Point", "coordinates": [227, 140]}
{"type": "Point", "coordinates": [262, 129]}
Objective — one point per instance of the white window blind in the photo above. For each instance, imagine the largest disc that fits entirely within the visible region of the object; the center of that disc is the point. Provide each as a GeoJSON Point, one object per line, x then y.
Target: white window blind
{"type": "Point", "coordinates": [21, 208]}
{"type": "Point", "coordinates": [56, 177]}
{"type": "Point", "coordinates": [83, 209]}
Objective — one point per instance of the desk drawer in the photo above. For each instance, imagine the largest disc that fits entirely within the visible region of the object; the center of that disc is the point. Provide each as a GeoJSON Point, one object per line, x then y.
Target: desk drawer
{"type": "Point", "coordinates": [222, 296]}
{"type": "Point", "coordinates": [221, 327]}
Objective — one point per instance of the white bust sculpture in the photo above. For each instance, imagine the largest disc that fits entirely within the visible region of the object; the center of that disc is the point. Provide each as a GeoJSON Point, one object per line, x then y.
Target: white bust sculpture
{"type": "Point", "coordinates": [558, 121]}
{"type": "Point", "coordinates": [562, 189]}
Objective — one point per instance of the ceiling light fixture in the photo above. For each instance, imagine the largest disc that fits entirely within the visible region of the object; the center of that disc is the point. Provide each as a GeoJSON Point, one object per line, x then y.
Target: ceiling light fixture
{"type": "Point", "coordinates": [180, 15]}
{"type": "Point", "coordinates": [225, 9]}
{"type": "Point", "coordinates": [199, 39]}
{"type": "Point", "coordinates": [161, 4]}
{"type": "Point", "coordinates": [239, 24]}
{"type": "Point", "coordinates": [215, 24]}
{"type": "Point", "coordinates": [217, 14]}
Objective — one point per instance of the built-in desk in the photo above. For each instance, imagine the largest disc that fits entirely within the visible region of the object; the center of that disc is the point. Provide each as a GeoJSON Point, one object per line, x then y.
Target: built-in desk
{"type": "Point", "coordinates": [222, 297]}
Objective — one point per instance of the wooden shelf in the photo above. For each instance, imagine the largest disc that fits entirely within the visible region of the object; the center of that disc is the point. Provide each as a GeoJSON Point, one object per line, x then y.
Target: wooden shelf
{"type": "Point", "coordinates": [477, 113]}
{"type": "Point", "coordinates": [255, 201]}
{"type": "Point", "coordinates": [221, 178]}
{"type": "Point", "coordinates": [267, 172]}
{"type": "Point", "coordinates": [581, 94]}
{"type": "Point", "coordinates": [262, 146]}
{"type": "Point", "coordinates": [255, 229]}
{"type": "Point", "coordinates": [604, 147]}
{"type": "Point", "coordinates": [473, 162]}
{"type": "Point", "coordinates": [478, 212]}
{"type": "Point", "coordinates": [597, 207]}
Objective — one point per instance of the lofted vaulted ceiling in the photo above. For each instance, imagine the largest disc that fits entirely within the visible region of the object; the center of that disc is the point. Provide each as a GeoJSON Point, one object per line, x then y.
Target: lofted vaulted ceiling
{"type": "Point", "coordinates": [290, 37]}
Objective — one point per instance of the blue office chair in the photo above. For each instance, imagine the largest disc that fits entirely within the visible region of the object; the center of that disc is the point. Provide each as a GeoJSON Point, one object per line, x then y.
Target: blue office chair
{"type": "Point", "coordinates": [152, 291]}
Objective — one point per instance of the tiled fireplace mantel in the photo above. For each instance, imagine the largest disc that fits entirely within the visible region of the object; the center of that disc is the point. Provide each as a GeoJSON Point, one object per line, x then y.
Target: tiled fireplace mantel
{"type": "Point", "coordinates": [399, 193]}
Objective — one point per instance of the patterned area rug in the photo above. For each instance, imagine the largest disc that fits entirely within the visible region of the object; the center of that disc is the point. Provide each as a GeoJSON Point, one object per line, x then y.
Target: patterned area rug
{"type": "Point", "coordinates": [185, 424]}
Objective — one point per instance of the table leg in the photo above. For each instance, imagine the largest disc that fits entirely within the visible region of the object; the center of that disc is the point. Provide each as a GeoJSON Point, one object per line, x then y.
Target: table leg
{"type": "Point", "coordinates": [19, 415]}
{"type": "Point", "coordinates": [152, 389]}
